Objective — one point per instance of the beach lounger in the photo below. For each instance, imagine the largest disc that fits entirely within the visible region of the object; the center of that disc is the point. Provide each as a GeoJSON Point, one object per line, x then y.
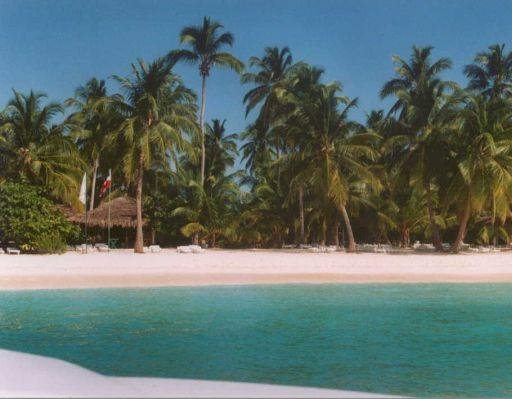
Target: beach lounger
{"type": "Point", "coordinates": [196, 249]}
{"type": "Point", "coordinates": [13, 251]}
{"type": "Point", "coordinates": [187, 249]}
{"type": "Point", "coordinates": [82, 250]}
{"type": "Point", "coordinates": [2, 251]}
{"type": "Point", "coordinates": [102, 247]}
{"type": "Point", "coordinates": [155, 248]}
{"type": "Point", "coordinates": [184, 250]}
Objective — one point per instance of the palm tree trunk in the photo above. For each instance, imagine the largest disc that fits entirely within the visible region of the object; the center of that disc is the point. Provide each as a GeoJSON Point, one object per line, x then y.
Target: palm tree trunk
{"type": "Point", "coordinates": [324, 232]}
{"type": "Point", "coordinates": [153, 235]}
{"type": "Point", "coordinates": [350, 233]}
{"type": "Point", "coordinates": [404, 237]}
{"type": "Point", "coordinates": [139, 239]}
{"type": "Point", "coordinates": [93, 185]}
{"type": "Point", "coordinates": [301, 215]}
{"type": "Point", "coordinates": [201, 122]}
{"type": "Point", "coordinates": [335, 235]}
{"type": "Point", "coordinates": [462, 228]}
{"type": "Point", "coordinates": [436, 237]}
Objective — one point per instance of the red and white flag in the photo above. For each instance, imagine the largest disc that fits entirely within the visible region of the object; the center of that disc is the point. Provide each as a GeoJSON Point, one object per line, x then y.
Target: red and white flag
{"type": "Point", "coordinates": [106, 184]}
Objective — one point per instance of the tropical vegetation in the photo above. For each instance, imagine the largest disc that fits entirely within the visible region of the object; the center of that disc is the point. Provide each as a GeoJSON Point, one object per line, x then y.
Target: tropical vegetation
{"type": "Point", "coordinates": [436, 166]}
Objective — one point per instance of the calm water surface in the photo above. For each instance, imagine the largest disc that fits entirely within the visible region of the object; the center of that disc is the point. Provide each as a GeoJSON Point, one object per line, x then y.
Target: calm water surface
{"type": "Point", "coordinates": [419, 340]}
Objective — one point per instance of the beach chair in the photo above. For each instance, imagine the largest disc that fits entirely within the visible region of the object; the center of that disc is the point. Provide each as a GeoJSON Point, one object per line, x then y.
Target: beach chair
{"type": "Point", "coordinates": [83, 249]}
{"type": "Point", "coordinates": [155, 248]}
{"type": "Point", "coordinates": [2, 251]}
{"type": "Point", "coordinates": [196, 249]}
{"type": "Point", "coordinates": [184, 249]}
{"type": "Point", "coordinates": [101, 247]}
{"type": "Point", "coordinates": [13, 251]}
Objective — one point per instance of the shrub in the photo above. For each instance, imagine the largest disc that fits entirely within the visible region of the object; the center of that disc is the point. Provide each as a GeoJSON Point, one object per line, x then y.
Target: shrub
{"type": "Point", "coordinates": [33, 221]}
{"type": "Point", "coordinates": [50, 244]}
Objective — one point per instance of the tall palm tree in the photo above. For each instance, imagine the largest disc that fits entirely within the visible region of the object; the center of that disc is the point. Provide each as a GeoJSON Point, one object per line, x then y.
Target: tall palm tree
{"type": "Point", "coordinates": [221, 148]}
{"type": "Point", "coordinates": [158, 110]}
{"type": "Point", "coordinates": [483, 162]}
{"type": "Point", "coordinates": [92, 122]}
{"type": "Point", "coordinates": [35, 150]}
{"type": "Point", "coordinates": [206, 43]}
{"type": "Point", "coordinates": [421, 106]}
{"type": "Point", "coordinates": [256, 148]}
{"type": "Point", "coordinates": [331, 154]}
{"type": "Point", "coordinates": [271, 71]}
{"type": "Point", "coordinates": [491, 72]}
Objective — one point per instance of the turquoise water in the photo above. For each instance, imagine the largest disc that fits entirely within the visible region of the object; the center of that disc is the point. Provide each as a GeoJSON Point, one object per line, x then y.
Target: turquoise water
{"type": "Point", "coordinates": [419, 340]}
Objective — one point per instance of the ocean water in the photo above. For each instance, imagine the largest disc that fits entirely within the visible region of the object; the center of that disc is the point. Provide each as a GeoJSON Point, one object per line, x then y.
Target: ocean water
{"type": "Point", "coordinates": [420, 340]}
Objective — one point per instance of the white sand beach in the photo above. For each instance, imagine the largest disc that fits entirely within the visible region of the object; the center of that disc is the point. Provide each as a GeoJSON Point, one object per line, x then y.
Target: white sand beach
{"type": "Point", "coordinates": [123, 268]}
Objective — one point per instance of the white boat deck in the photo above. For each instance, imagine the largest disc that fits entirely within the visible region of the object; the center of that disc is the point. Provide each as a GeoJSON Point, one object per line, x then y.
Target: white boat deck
{"type": "Point", "coordinates": [25, 375]}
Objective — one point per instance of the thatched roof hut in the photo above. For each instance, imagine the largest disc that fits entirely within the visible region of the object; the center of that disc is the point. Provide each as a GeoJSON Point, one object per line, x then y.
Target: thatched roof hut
{"type": "Point", "coordinates": [123, 213]}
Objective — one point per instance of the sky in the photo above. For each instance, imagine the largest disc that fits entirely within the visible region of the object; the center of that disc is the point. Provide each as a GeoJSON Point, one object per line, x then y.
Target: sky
{"type": "Point", "coordinates": [55, 46]}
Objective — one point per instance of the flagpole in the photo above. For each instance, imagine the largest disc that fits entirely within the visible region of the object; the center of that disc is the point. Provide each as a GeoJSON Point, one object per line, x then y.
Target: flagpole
{"type": "Point", "coordinates": [86, 214]}
{"type": "Point", "coordinates": [109, 201]}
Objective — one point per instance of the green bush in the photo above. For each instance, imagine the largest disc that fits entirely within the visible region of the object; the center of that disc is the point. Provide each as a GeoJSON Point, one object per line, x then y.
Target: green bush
{"type": "Point", "coordinates": [32, 221]}
{"type": "Point", "coordinates": [50, 244]}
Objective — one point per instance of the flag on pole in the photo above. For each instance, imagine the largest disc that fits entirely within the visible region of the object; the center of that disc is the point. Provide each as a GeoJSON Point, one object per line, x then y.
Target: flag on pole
{"type": "Point", "coordinates": [106, 184]}
{"type": "Point", "coordinates": [83, 193]}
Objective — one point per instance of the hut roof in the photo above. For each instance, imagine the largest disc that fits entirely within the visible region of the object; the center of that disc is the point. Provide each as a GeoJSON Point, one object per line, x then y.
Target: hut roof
{"type": "Point", "coordinates": [123, 213]}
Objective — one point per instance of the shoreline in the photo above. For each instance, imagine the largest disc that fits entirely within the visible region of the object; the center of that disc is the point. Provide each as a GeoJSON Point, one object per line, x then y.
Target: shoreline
{"type": "Point", "coordinates": [124, 269]}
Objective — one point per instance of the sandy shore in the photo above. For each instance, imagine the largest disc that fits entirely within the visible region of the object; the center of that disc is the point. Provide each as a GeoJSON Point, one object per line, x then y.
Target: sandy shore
{"type": "Point", "coordinates": [123, 268]}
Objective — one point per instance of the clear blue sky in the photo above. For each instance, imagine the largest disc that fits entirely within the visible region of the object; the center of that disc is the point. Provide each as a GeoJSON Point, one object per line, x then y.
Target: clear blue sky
{"type": "Point", "coordinates": [54, 46]}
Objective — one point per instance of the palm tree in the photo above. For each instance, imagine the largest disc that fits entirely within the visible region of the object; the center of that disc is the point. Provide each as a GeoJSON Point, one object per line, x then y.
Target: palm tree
{"type": "Point", "coordinates": [422, 106]}
{"type": "Point", "coordinates": [206, 210]}
{"type": "Point", "coordinates": [158, 110]}
{"type": "Point", "coordinates": [256, 148]}
{"type": "Point", "coordinates": [491, 73]}
{"type": "Point", "coordinates": [483, 162]}
{"type": "Point", "coordinates": [92, 123]}
{"type": "Point", "coordinates": [33, 149]}
{"type": "Point", "coordinates": [331, 154]}
{"type": "Point", "coordinates": [221, 148]}
{"type": "Point", "coordinates": [271, 71]}
{"type": "Point", "coordinates": [206, 44]}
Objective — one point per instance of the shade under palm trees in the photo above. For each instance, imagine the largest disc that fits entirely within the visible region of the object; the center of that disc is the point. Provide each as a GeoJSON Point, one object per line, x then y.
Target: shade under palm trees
{"type": "Point", "coordinates": [421, 106]}
{"type": "Point", "coordinates": [483, 163]}
{"type": "Point", "coordinates": [157, 110]}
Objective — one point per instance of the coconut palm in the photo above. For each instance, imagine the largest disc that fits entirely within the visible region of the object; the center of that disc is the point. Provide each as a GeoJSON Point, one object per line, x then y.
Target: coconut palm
{"type": "Point", "coordinates": [206, 43]}
{"type": "Point", "coordinates": [491, 72]}
{"type": "Point", "coordinates": [484, 163]}
{"type": "Point", "coordinates": [331, 154]}
{"type": "Point", "coordinates": [92, 122]}
{"type": "Point", "coordinates": [207, 210]}
{"type": "Point", "coordinates": [256, 148]}
{"type": "Point", "coordinates": [271, 71]}
{"type": "Point", "coordinates": [422, 106]}
{"type": "Point", "coordinates": [158, 110]}
{"type": "Point", "coordinates": [37, 151]}
{"type": "Point", "coordinates": [221, 148]}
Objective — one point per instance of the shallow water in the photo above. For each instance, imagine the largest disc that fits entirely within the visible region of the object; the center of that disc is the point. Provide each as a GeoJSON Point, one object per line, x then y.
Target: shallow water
{"type": "Point", "coordinates": [418, 340]}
